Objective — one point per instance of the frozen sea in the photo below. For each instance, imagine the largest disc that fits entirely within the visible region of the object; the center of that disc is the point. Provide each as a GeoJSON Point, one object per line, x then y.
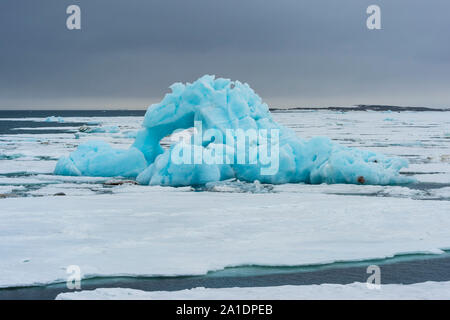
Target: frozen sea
{"type": "Point", "coordinates": [231, 234]}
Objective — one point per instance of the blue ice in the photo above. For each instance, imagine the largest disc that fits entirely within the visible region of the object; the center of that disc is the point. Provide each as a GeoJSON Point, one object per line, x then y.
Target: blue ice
{"type": "Point", "coordinates": [223, 106]}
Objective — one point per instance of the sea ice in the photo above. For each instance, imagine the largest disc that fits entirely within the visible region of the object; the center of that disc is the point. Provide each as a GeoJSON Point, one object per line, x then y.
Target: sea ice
{"type": "Point", "coordinates": [222, 106]}
{"type": "Point", "coordinates": [164, 231]}
{"type": "Point", "coordinates": [6, 189]}
{"type": "Point", "coordinates": [129, 134]}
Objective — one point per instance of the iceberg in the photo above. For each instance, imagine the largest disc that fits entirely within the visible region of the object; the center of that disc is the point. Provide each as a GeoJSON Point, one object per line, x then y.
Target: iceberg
{"type": "Point", "coordinates": [99, 159]}
{"type": "Point", "coordinates": [234, 137]}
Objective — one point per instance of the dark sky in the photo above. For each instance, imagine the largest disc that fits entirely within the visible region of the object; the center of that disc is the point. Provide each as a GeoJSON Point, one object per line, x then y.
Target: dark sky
{"type": "Point", "coordinates": [292, 52]}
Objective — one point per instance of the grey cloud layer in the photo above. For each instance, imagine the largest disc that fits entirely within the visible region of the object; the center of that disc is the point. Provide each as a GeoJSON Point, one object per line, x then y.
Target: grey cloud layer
{"type": "Point", "coordinates": [292, 52]}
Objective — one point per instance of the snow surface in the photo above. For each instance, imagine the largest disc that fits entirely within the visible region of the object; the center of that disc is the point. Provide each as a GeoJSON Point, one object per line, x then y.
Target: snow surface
{"type": "Point", "coordinates": [157, 231]}
{"type": "Point", "coordinates": [354, 291]}
{"type": "Point", "coordinates": [122, 232]}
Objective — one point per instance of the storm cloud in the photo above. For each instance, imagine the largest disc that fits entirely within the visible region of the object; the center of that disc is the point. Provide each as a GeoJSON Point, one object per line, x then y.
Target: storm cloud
{"type": "Point", "coordinates": [292, 52]}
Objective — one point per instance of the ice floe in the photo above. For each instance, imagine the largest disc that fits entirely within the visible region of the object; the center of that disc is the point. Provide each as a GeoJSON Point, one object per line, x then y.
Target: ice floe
{"type": "Point", "coordinates": [54, 119]}
{"type": "Point", "coordinates": [156, 231]}
{"type": "Point", "coordinates": [354, 291]}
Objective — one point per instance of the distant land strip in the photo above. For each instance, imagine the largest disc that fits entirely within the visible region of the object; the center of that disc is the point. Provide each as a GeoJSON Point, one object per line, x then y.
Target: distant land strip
{"type": "Point", "coordinates": [364, 107]}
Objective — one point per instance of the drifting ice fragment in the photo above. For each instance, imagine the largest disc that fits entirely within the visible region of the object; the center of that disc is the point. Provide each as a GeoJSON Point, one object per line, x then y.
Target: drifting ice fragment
{"type": "Point", "coordinates": [106, 129]}
{"type": "Point", "coordinates": [54, 119]}
{"type": "Point", "coordinates": [226, 108]}
{"type": "Point", "coordinates": [97, 158]}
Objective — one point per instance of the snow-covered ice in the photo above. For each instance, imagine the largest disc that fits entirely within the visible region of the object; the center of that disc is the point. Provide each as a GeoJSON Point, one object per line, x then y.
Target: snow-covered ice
{"type": "Point", "coordinates": [355, 291]}
{"type": "Point", "coordinates": [157, 231]}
